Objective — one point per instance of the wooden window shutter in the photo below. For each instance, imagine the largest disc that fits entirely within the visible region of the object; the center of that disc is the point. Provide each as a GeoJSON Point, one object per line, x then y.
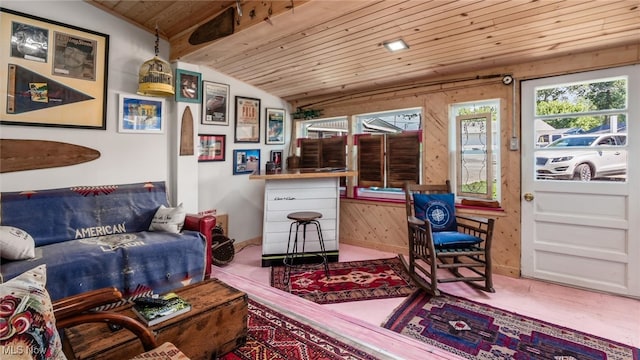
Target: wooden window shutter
{"type": "Point", "coordinates": [370, 161]}
{"type": "Point", "coordinates": [310, 153]}
{"type": "Point", "coordinates": [334, 152]}
{"type": "Point", "coordinates": [403, 159]}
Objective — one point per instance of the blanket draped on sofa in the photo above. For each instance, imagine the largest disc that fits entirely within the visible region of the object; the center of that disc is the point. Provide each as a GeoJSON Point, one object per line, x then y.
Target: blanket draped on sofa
{"type": "Point", "coordinates": [97, 236]}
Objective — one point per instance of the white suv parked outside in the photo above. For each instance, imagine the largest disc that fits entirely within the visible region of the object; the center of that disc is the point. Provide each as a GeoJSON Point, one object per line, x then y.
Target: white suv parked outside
{"type": "Point", "coordinates": [583, 157]}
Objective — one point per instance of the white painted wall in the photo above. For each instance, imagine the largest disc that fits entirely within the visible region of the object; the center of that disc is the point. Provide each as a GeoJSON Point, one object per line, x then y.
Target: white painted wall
{"type": "Point", "coordinates": [129, 158]}
{"type": "Point", "coordinates": [124, 158]}
{"type": "Point", "coordinates": [242, 199]}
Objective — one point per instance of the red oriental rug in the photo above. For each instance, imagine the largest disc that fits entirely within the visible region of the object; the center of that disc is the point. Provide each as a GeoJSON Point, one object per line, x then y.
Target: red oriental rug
{"type": "Point", "coordinates": [274, 336]}
{"type": "Point", "coordinates": [478, 331]}
{"type": "Point", "coordinates": [348, 281]}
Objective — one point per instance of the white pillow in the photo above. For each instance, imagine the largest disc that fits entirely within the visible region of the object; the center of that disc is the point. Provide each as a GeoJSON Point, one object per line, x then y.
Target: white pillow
{"type": "Point", "coordinates": [168, 219]}
{"type": "Point", "coordinates": [16, 244]}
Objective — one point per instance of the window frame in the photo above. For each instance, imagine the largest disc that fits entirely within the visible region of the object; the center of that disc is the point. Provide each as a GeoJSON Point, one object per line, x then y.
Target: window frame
{"type": "Point", "coordinates": [494, 170]}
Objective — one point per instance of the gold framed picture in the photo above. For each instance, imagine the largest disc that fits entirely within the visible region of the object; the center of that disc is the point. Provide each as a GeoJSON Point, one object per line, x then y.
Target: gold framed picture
{"type": "Point", "coordinates": [56, 73]}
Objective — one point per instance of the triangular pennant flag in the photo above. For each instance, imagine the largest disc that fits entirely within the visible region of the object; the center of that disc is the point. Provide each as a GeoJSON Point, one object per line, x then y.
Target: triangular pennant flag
{"type": "Point", "coordinates": [32, 91]}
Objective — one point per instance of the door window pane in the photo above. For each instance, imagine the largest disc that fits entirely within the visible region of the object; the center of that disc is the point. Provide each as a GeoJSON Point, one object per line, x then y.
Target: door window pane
{"type": "Point", "coordinates": [580, 131]}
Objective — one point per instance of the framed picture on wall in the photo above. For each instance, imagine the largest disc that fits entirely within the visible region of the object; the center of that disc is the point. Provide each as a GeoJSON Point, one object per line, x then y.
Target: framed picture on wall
{"type": "Point", "coordinates": [274, 129]}
{"type": "Point", "coordinates": [141, 114]}
{"type": "Point", "coordinates": [55, 73]}
{"type": "Point", "coordinates": [187, 86]}
{"type": "Point", "coordinates": [246, 161]}
{"type": "Point", "coordinates": [212, 147]}
{"type": "Point", "coordinates": [247, 124]}
{"type": "Point", "coordinates": [215, 103]}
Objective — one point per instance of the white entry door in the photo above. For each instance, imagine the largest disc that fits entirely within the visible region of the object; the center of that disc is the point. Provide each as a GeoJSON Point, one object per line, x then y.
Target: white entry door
{"type": "Point", "coordinates": [581, 195]}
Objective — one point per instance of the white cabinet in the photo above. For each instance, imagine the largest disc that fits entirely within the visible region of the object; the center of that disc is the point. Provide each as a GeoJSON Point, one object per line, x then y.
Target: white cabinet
{"type": "Point", "coordinates": [284, 196]}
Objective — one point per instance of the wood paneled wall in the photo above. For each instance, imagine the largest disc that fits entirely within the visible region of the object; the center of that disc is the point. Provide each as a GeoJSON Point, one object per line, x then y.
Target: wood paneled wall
{"type": "Point", "coordinates": [383, 225]}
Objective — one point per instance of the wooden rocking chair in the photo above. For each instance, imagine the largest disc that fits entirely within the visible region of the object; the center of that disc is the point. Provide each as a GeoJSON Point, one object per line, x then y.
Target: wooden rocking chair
{"type": "Point", "coordinates": [445, 240]}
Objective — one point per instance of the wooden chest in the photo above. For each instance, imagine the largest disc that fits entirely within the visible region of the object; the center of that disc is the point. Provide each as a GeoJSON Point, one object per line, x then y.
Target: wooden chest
{"type": "Point", "coordinates": [215, 325]}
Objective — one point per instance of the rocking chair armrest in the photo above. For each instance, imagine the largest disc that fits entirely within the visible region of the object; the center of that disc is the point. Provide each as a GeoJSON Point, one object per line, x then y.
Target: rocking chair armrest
{"type": "Point", "coordinates": [77, 304]}
{"type": "Point", "coordinates": [415, 221]}
{"type": "Point", "coordinates": [476, 219]}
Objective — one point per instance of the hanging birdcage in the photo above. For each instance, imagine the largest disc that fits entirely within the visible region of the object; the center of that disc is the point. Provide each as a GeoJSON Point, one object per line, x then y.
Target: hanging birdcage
{"type": "Point", "coordinates": [155, 77]}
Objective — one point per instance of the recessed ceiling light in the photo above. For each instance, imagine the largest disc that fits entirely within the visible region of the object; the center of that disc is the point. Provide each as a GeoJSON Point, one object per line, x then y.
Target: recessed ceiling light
{"type": "Point", "coordinates": [395, 45]}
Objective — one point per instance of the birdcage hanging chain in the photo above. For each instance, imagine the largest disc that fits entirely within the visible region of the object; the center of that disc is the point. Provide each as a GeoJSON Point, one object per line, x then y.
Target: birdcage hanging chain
{"type": "Point", "coordinates": [157, 41]}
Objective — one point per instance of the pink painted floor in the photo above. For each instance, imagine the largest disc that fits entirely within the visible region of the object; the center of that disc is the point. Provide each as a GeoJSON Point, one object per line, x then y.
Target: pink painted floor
{"type": "Point", "coordinates": [612, 317]}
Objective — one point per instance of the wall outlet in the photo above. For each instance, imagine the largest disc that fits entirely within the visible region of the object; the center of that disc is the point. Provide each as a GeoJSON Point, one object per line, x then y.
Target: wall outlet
{"type": "Point", "coordinates": [514, 143]}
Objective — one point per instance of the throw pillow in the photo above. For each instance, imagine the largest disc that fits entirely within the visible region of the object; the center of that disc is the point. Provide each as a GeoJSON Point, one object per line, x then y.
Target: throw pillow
{"type": "Point", "coordinates": [168, 219]}
{"type": "Point", "coordinates": [27, 326]}
{"type": "Point", "coordinates": [438, 209]}
{"type": "Point", "coordinates": [16, 244]}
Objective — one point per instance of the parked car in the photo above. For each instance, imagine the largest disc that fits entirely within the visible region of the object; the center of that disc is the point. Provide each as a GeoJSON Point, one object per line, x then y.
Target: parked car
{"type": "Point", "coordinates": [583, 157]}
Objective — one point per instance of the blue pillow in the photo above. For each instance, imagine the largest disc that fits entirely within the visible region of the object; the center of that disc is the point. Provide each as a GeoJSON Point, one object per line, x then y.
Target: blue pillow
{"type": "Point", "coordinates": [438, 209]}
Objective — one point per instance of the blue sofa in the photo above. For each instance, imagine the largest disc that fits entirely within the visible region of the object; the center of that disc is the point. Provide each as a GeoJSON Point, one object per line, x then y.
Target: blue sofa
{"type": "Point", "coordinates": [92, 237]}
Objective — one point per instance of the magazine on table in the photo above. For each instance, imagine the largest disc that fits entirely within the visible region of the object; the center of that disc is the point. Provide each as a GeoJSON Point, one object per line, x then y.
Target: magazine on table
{"type": "Point", "coordinates": [156, 310]}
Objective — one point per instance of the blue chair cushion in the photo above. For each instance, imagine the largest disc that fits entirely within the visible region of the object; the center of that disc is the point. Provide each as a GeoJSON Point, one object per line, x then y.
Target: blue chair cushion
{"type": "Point", "coordinates": [454, 238]}
{"type": "Point", "coordinates": [438, 209]}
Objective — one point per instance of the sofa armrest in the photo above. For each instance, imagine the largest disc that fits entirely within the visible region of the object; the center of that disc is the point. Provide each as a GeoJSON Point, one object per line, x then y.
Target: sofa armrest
{"type": "Point", "coordinates": [205, 225]}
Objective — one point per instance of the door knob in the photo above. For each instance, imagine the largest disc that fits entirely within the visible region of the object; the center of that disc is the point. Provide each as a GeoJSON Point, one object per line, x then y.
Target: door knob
{"type": "Point", "coordinates": [528, 196]}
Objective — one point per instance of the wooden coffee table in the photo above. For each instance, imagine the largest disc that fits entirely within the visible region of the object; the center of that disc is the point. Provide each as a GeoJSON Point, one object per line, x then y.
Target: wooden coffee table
{"type": "Point", "coordinates": [215, 325]}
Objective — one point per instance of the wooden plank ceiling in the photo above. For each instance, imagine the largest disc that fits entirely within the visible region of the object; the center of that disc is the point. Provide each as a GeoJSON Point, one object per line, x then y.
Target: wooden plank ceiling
{"type": "Point", "coordinates": [304, 49]}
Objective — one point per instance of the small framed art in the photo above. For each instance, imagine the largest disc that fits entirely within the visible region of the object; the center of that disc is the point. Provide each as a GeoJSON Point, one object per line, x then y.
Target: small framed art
{"type": "Point", "coordinates": [141, 114]}
{"type": "Point", "coordinates": [274, 131]}
{"type": "Point", "coordinates": [215, 103]}
{"type": "Point", "coordinates": [276, 158]}
{"type": "Point", "coordinates": [187, 86]}
{"type": "Point", "coordinates": [212, 147]}
{"type": "Point", "coordinates": [247, 125]}
{"type": "Point", "coordinates": [246, 161]}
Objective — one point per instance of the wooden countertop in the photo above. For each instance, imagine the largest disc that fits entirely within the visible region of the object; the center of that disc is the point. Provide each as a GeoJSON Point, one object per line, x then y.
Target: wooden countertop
{"type": "Point", "coordinates": [302, 174]}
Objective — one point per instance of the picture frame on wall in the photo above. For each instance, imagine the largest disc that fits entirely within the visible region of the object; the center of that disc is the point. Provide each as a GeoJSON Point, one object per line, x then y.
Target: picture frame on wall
{"type": "Point", "coordinates": [246, 161]}
{"type": "Point", "coordinates": [188, 86]}
{"type": "Point", "coordinates": [274, 129]}
{"type": "Point", "coordinates": [212, 147]}
{"type": "Point", "coordinates": [247, 122]}
{"type": "Point", "coordinates": [215, 103]}
{"type": "Point", "coordinates": [56, 73]}
{"type": "Point", "coordinates": [141, 114]}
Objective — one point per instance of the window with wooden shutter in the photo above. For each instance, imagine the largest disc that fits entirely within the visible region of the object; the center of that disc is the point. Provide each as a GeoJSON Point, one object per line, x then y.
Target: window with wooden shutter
{"type": "Point", "coordinates": [320, 153]}
{"type": "Point", "coordinates": [403, 158]}
{"type": "Point", "coordinates": [386, 149]}
{"type": "Point", "coordinates": [370, 160]}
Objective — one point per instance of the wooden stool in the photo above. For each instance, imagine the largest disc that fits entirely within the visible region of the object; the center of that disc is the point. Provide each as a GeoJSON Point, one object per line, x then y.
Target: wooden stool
{"type": "Point", "coordinates": [293, 256]}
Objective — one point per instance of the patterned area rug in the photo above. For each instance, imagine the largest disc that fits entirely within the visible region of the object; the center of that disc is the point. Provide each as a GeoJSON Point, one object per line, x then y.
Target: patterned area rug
{"type": "Point", "coordinates": [274, 336]}
{"type": "Point", "coordinates": [348, 281]}
{"type": "Point", "coordinates": [478, 331]}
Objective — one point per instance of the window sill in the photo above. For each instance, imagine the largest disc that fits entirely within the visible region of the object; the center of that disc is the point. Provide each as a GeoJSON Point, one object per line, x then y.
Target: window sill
{"type": "Point", "coordinates": [477, 210]}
